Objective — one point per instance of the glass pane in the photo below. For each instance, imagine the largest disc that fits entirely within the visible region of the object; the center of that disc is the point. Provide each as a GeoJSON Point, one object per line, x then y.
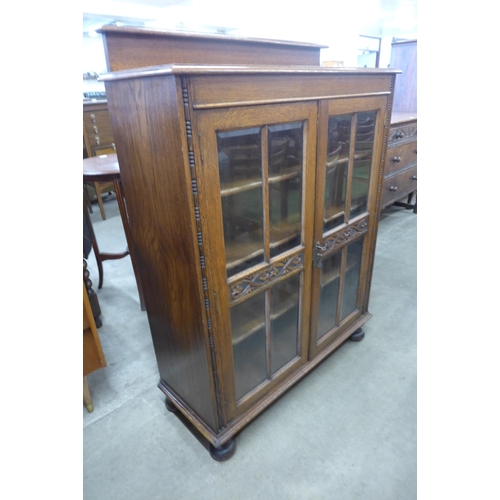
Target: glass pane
{"type": "Point", "coordinates": [285, 186]}
{"type": "Point", "coordinates": [240, 172]}
{"type": "Point", "coordinates": [351, 282]}
{"type": "Point", "coordinates": [329, 293]}
{"type": "Point", "coordinates": [248, 327]}
{"type": "Point", "coordinates": [284, 322]}
{"type": "Point", "coordinates": [365, 134]}
{"type": "Point", "coordinates": [337, 165]}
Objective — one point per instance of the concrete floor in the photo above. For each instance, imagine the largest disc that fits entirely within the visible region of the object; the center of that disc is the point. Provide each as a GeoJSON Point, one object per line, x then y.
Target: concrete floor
{"type": "Point", "coordinates": [347, 431]}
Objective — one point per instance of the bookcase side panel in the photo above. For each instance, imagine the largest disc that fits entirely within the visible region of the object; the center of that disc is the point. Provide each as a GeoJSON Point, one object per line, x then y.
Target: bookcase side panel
{"type": "Point", "coordinates": [150, 132]}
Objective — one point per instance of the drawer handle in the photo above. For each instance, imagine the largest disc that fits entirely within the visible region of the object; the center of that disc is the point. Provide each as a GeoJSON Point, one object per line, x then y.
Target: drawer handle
{"type": "Point", "coordinates": [396, 159]}
{"type": "Point", "coordinates": [393, 188]}
{"type": "Point", "coordinates": [95, 130]}
{"type": "Point", "coordinates": [92, 117]}
{"type": "Point", "coordinates": [97, 140]}
{"type": "Point", "coordinates": [114, 147]}
{"type": "Point", "coordinates": [414, 178]}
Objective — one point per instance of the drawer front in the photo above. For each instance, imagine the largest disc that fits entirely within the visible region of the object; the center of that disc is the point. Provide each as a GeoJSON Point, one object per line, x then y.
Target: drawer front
{"type": "Point", "coordinates": [96, 118]}
{"type": "Point", "coordinates": [400, 157]}
{"type": "Point", "coordinates": [97, 129]}
{"type": "Point", "coordinates": [399, 185]}
{"type": "Point", "coordinates": [100, 137]}
{"type": "Point", "coordinates": [104, 150]}
{"type": "Point", "coordinates": [403, 133]}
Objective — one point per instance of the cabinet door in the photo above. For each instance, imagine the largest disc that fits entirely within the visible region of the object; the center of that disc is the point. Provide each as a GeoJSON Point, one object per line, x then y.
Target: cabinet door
{"type": "Point", "coordinates": [256, 192]}
{"type": "Point", "coordinates": [349, 163]}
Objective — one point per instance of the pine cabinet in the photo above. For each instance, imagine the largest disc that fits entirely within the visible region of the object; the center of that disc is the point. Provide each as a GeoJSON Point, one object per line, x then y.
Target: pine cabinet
{"type": "Point", "coordinates": [253, 196]}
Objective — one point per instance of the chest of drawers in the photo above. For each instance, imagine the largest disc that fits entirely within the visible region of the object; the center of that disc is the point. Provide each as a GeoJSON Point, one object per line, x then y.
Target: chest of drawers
{"type": "Point", "coordinates": [400, 174]}
{"type": "Point", "coordinates": [97, 134]}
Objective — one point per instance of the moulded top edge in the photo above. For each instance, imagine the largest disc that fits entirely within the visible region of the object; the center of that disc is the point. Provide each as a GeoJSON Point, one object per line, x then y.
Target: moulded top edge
{"type": "Point", "coordinates": [142, 31]}
{"type": "Point", "coordinates": [209, 69]}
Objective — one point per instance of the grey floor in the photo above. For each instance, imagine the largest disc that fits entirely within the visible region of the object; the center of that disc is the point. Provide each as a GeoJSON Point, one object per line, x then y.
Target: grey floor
{"type": "Point", "coordinates": [347, 431]}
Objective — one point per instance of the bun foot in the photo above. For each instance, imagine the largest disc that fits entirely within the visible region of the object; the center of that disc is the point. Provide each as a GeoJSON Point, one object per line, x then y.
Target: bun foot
{"type": "Point", "coordinates": [224, 452]}
{"type": "Point", "coordinates": [358, 335]}
{"type": "Point", "coordinates": [170, 406]}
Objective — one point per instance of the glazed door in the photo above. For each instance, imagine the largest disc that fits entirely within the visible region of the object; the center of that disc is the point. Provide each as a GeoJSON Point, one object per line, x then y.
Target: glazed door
{"type": "Point", "coordinates": [256, 190]}
{"type": "Point", "coordinates": [349, 161]}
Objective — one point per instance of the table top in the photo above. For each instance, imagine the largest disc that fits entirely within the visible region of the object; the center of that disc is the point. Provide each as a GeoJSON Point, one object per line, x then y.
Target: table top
{"type": "Point", "coordinates": [99, 166]}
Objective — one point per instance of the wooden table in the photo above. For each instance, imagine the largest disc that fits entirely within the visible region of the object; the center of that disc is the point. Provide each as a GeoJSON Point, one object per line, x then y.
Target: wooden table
{"type": "Point", "coordinates": [105, 168]}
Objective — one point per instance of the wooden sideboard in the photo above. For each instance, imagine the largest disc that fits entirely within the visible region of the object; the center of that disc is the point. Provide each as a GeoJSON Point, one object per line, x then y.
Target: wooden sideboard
{"type": "Point", "coordinates": [400, 178]}
{"type": "Point", "coordinates": [253, 195]}
{"type": "Point", "coordinates": [400, 175]}
{"type": "Point", "coordinates": [134, 47]}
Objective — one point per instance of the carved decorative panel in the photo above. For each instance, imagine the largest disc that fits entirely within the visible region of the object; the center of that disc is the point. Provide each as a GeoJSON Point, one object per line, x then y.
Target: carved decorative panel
{"type": "Point", "coordinates": [345, 235]}
{"type": "Point", "coordinates": [402, 134]}
{"type": "Point", "coordinates": [265, 277]}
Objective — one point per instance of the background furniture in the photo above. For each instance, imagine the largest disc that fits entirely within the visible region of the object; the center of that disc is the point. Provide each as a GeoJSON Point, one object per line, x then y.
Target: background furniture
{"type": "Point", "coordinates": [254, 267]}
{"type": "Point", "coordinates": [105, 169]}
{"type": "Point", "coordinates": [93, 356]}
{"type": "Point", "coordinates": [97, 140]}
{"type": "Point", "coordinates": [131, 47]}
{"type": "Point", "coordinates": [400, 175]}
{"type": "Point", "coordinates": [368, 51]}
{"type": "Point", "coordinates": [97, 134]}
{"type": "Point", "coordinates": [94, 301]}
{"type": "Point", "coordinates": [404, 57]}
{"type": "Point", "coordinates": [400, 181]}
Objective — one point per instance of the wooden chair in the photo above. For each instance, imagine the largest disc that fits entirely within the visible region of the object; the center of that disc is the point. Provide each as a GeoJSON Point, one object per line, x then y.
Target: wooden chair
{"type": "Point", "coordinates": [100, 188]}
{"type": "Point", "coordinates": [93, 356]}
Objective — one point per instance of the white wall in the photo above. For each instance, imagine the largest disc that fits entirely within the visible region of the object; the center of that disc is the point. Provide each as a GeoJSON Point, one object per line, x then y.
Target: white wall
{"type": "Point", "coordinates": [93, 60]}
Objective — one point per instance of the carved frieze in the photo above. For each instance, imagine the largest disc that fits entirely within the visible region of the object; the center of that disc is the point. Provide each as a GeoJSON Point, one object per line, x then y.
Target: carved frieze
{"type": "Point", "coordinates": [345, 235]}
{"type": "Point", "coordinates": [266, 276]}
{"type": "Point", "coordinates": [401, 134]}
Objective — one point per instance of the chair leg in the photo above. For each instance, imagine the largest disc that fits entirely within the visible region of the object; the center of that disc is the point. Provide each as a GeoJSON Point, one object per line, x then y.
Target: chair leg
{"type": "Point", "coordinates": [87, 398]}
{"type": "Point", "coordinates": [99, 200]}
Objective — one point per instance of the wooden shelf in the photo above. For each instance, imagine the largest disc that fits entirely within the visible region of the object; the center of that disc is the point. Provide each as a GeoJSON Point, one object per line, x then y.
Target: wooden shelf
{"type": "Point", "coordinates": [249, 328]}
{"type": "Point", "coordinates": [286, 232]}
{"type": "Point", "coordinates": [241, 186]}
{"type": "Point", "coordinates": [238, 187]}
{"type": "Point", "coordinates": [328, 278]}
{"type": "Point", "coordinates": [253, 326]}
{"type": "Point", "coordinates": [289, 174]}
{"type": "Point", "coordinates": [253, 250]}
